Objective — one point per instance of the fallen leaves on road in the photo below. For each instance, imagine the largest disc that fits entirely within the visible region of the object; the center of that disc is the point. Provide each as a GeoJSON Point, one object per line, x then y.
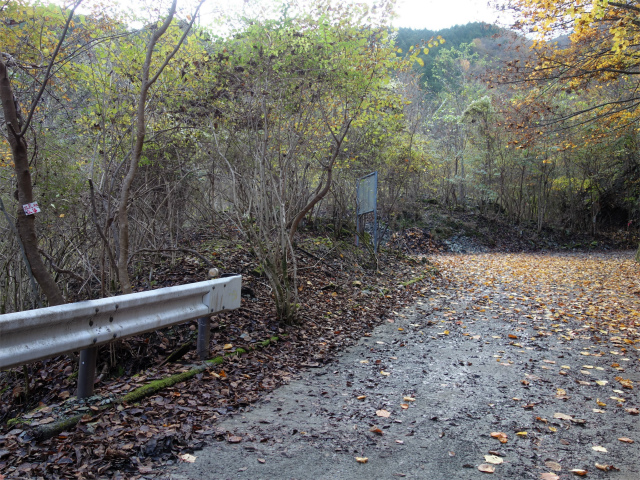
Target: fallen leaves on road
{"type": "Point", "coordinates": [555, 466]}
{"type": "Point", "coordinates": [383, 413]}
{"type": "Point", "coordinates": [362, 459]}
{"type": "Point", "coordinates": [500, 436]}
{"type": "Point", "coordinates": [625, 382]}
{"type": "Point", "coordinates": [549, 476]}
{"type": "Point", "coordinates": [486, 468]}
{"type": "Point", "coordinates": [562, 416]}
{"type": "Point", "coordinates": [493, 459]}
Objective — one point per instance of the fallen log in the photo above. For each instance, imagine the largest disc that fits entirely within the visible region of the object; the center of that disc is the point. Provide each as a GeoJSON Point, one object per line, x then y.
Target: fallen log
{"type": "Point", "coordinates": [44, 432]}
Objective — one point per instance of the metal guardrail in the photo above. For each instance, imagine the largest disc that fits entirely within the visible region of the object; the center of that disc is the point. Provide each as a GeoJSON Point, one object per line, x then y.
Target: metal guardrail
{"type": "Point", "coordinates": [44, 333]}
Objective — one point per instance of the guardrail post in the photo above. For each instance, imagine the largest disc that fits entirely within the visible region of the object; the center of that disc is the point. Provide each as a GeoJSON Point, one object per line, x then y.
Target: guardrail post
{"type": "Point", "coordinates": [204, 325]}
{"type": "Point", "coordinates": [87, 371]}
{"type": "Point", "coordinates": [204, 337]}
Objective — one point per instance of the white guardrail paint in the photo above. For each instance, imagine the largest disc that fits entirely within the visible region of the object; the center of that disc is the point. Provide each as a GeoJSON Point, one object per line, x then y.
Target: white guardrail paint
{"type": "Point", "coordinates": [47, 332]}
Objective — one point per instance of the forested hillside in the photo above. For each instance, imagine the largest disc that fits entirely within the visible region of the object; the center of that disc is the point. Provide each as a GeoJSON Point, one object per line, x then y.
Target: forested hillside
{"type": "Point", "coordinates": [471, 33]}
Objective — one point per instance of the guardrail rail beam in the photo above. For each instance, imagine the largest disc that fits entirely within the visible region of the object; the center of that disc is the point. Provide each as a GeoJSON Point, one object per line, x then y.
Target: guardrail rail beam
{"type": "Point", "coordinates": [47, 332]}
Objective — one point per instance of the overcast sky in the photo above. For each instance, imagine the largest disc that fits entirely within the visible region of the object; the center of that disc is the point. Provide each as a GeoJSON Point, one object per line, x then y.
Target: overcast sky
{"type": "Point", "coordinates": [418, 14]}
{"type": "Point", "coordinates": [430, 14]}
{"type": "Point", "coordinates": [438, 14]}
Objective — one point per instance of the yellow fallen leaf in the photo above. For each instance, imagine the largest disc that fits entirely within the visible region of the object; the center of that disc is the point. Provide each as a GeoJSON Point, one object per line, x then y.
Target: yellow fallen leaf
{"type": "Point", "coordinates": [521, 434]}
{"type": "Point", "coordinates": [598, 448]}
{"type": "Point", "coordinates": [561, 391]}
{"type": "Point", "coordinates": [626, 383]}
{"type": "Point", "coordinates": [600, 404]}
{"type": "Point", "coordinates": [625, 440]}
{"type": "Point", "coordinates": [386, 374]}
{"type": "Point", "coordinates": [500, 436]}
{"type": "Point", "coordinates": [553, 429]}
{"type": "Point", "coordinates": [549, 476]}
{"type": "Point", "coordinates": [618, 399]}
{"type": "Point", "coordinates": [364, 361]}
{"type": "Point", "coordinates": [602, 383]}
{"type": "Point", "coordinates": [562, 416]}
{"type": "Point", "coordinates": [597, 410]}
{"type": "Point", "coordinates": [383, 413]}
{"type": "Point", "coordinates": [187, 458]}
{"type": "Point", "coordinates": [493, 459]}
{"type": "Point", "coordinates": [362, 459]}
{"type": "Point", "coordinates": [486, 468]}
{"type": "Point", "coordinates": [409, 399]}
{"type": "Point", "coordinates": [361, 397]}
{"type": "Point", "coordinates": [404, 406]}
{"type": "Point", "coordinates": [555, 466]}
{"type": "Point", "coordinates": [227, 346]}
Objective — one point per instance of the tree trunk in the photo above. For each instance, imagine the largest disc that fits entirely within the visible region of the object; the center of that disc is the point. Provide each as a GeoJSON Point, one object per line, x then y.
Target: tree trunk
{"type": "Point", "coordinates": [146, 81]}
{"type": "Point", "coordinates": [638, 254]}
{"type": "Point", "coordinates": [25, 223]}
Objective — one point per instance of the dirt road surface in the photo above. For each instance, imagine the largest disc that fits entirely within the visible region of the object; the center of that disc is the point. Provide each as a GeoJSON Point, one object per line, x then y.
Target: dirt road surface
{"type": "Point", "coordinates": [538, 350]}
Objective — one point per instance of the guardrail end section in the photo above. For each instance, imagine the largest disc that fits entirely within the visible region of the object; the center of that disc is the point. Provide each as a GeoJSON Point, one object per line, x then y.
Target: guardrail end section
{"type": "Point", "coordinates": [224, 294]}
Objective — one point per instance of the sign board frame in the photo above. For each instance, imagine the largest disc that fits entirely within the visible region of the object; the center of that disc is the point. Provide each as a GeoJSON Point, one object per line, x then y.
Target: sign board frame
{"type": "Point", "coordinates": [367, 202]}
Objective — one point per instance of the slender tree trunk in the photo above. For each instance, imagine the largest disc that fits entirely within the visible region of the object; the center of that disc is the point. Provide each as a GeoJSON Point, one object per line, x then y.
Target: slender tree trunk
{"type": "Point", "coordinates": [146, 82]}
{"type": "Point", "coordinates": [25, 223]}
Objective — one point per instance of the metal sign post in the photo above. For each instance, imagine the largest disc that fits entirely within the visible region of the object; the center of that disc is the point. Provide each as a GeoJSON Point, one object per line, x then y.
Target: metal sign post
{"type": "Point", "coordinates": [367, 202]}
